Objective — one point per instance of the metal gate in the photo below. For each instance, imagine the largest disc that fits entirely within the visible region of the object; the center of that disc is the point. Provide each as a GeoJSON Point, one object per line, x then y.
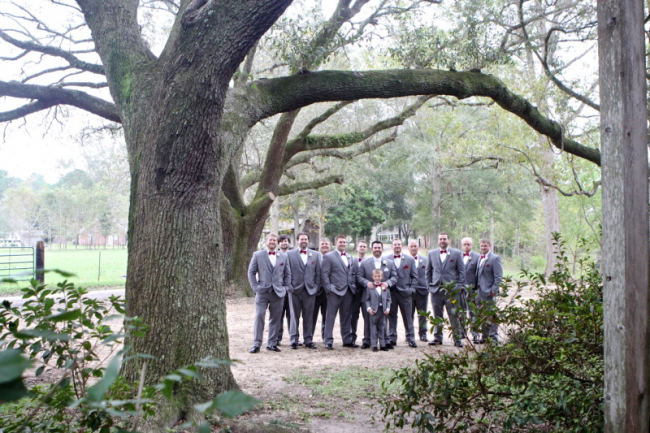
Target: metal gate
{"type": "Point", "coordinates": [17, 263]}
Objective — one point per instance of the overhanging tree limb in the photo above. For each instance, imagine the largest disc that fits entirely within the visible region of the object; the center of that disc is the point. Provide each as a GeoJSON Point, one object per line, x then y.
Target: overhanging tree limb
{"type": "Point", "coordinates": [47, 97]}
{"type": "Point", "coordinates": [288, 189]}
{"type": "Point", "coordinates": [289, 93]}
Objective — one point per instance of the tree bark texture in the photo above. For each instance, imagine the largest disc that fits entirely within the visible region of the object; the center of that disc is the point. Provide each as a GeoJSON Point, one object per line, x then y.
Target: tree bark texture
{"type": "Point", "coordinates": [625, 213]}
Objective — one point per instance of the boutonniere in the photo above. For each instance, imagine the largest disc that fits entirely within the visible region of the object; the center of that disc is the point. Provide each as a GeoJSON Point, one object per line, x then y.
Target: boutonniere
{"type": "Point", "coordinates": [383, 262]}
{"type": "Point", "coordinates": [487, 265]}
{"type": "Point", "coordinates": [452, 260]}
{"type": "Point", "coordinates": [312, 263]}
{"type": "Point", "coordinates": [406, 266]}
{"type": "Point", "coordinates": [309, 254]}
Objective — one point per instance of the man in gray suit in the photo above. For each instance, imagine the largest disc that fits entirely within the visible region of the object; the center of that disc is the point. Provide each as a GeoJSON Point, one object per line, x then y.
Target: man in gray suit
{"type": "Point", "coordinates": [284, 243]}
{"type": "Point", "coordinates": [339, 283]}
{"type": "Point", "coordinates": [488, 279]}
{"type": "Point", "coordinates": [305, 279]}
{"type": "Point", "coordinates": [470, 261]}
{"type": "Point", "coordinates": [421, 295]}
{"type": "Point", "coordinates": [357, 300]}
{"type": "Point", "coordinates": [401, 294]}
{"type": "Point", "coordinates": [445, 266]}
{"type": "Point", "coordinates": [364, 279]}
{"type": "Point", "coordinates": [269, 275]}
{"type": "Point", "coordinates": [320, 301]}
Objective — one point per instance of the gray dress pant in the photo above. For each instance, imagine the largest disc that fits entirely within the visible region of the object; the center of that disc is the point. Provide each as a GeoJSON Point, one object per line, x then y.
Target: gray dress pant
{"type": "Point", "coordinates": [420, 303]}
{"type": "Point", "coordinates": [320, 303]}
{"type": "Point", "coordinates": [302, 304]}
{"type": "Point", "coordinates": [489, 330]}
{"type": "Point", "coordinates": [341, 305]}
{"type": "Point", "coordinates": [405, 304]}
{"type": "Point", "coordinates": [356, 310]}
{"type": "Point", "coordinates": [439, 301]}
{"type": "Point", "coordinates": [272, 302]}
{"type": "Point", "coordinates": [377, 325]}
{"type": "Point", "coordinates": [286, 311]}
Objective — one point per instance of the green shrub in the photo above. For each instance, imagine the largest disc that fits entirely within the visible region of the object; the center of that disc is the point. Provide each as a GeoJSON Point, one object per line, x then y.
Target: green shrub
{"type": "Point", "coordinates": [61, 331]}
{"type": "Point", "coordinates": [548, 375]}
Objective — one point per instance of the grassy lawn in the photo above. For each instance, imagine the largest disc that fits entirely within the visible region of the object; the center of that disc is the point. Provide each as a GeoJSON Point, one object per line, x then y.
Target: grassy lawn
{"type": "Point", "coordinates": [85, 264]}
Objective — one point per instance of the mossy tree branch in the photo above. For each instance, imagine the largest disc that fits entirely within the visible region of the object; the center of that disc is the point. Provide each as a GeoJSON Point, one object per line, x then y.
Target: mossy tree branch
{"type": "Point", "coordinates": [289, 93]}
{"type": "Point", "coordinates": [288, 189]}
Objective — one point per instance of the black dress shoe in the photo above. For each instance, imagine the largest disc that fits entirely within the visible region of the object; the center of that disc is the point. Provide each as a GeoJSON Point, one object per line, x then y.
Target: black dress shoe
{"type": "Point", "coordinates": [374, 349]}
{"type": "Point", "coordinates": [390, 347]}
{"type": "Point", "coordinates": [254, 349]}
{"type": "Point", "coordinates": [412, 344]}
{"type": "Point", "coordinates": [384, 349]}
{"type": "Point", "coordinates": [365, 346]}
{"type": "Point", "coordinates": [299, 343]}
{"type": "Point", "coordinates": [435, 343]}
{"type": "Point", "coordinates": [294, 346]}
{"type": "Point", "coordinates": [393, 343]}
{"type": "Point", "coordinates": [329, 347]}
{"type": "Point", "coordinates": [273, 348]}
{"type": "Point", "coordinates": [458, 343]}
{"type": "Point", "coordinates": [351, 345]}
{"type": "Point", "coordinates": [425, 339]}
{"type": "Point", "coordinates": [476, 340]}
{"type": "Point", "coordinates": [482, 341]}
{"type": "Point", "coordinates": [310, 346]}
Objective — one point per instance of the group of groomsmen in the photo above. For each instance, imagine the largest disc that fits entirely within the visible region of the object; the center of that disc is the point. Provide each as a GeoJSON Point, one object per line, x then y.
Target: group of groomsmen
{"type": "Point", "coordinates": [302, 283]}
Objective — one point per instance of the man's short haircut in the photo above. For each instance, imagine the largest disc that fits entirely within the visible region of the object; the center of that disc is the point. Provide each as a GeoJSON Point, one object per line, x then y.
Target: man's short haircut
{"type": "Point", "coordinates": [468, 238]}
{"type": "Point", "coordinates": [339, 237]}
{"type": "Point", "coordinates": [414, 241]}
{"type": "Point", "coordinates": [444, 234]}
{"type": "Point", "coordinates": [361, 241]}
{"type": "Point", "coordinates": [486, 241]}
{"type": "Point", "coordinates": [397, 239]}
{"type": "Point", "coordinates": [377, 242]}
{"type": "Point", "coordinates": [303, 234]}
{"type": "Point", "coordinates": [325, 240]}
{"type": "Point", "coordinates": [377, 272]}
{"type": "Point", "coordinates": [271, 235]}
{"type": "Point", "coordinates": [283, 238]}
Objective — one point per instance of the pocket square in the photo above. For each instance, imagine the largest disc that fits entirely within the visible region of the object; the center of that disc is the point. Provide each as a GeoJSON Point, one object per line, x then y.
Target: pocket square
{"type": "Point", "coordinates": [487, 266]}
{"type": "Point", "coordinates": [452, 260]}
{"type": "Point", "coordinates": [423, 267]}
{"type": "Point", "coordinates": [406, 266]}
{"type": "Point", "coordinates": [281, 264]}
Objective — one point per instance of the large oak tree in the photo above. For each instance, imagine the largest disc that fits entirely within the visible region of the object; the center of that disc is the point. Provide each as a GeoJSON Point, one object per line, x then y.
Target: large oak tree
{"type": "Point", "coordinates": [184, 122]}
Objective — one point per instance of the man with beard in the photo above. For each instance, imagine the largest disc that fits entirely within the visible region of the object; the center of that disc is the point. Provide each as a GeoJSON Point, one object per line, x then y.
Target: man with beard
{"type": "Point", "coordinates": [445, 267]}
{"type": "Point", "coordinates": [320, 301]}
{"type": "Point", "coordinates": [364, 277]}
{"type": "Point", "coordinates": [421, 295]}
{"type": "Point", "coordinates": [401, 294]}
{"type": "Point", "coordinates": [305, 280]}
{"type": "Point", "coordinates": [339, 282]}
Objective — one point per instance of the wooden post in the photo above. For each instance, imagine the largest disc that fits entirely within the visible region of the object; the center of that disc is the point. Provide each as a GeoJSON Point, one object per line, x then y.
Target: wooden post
{"type": "Point", "coordinates": [624, 145]}
{"type": "Point", "coordinates": [40, 261]}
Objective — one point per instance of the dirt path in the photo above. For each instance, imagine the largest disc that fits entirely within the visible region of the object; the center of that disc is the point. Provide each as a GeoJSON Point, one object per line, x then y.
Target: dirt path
{"type": "Point", "coordinates": [270, 377]}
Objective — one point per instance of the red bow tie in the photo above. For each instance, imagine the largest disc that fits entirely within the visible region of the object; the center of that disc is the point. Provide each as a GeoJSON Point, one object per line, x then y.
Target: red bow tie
{"type": "Point", "coordinates": [360, 258]}
{"type": "Point", "coordinates": [398, 256]}
{"type": "Point", "coordinates": [271, 253]}
{"type": "Point", "coordinates": [377, 285]}
{"type": "Point", "coordinates": [482, 257]}
{"type": "Point", "coordinates": [465, 254]}
{"type": "Point", "coordinates": [303, 251]}
{"type": "Point", "coordinates": [342, 254]}
{"type": "Point", "coordinates": [443, 251]}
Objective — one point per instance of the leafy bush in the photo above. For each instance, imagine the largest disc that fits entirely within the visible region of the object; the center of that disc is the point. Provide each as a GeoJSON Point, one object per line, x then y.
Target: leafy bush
{"type": "Point", "coordinates": [547, 376]}
{"type": "Point", "coordinates": [62, 332]}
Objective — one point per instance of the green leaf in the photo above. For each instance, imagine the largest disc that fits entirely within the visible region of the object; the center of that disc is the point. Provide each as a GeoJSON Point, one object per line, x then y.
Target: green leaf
{"type": "Point", "coordinates": [205, 428]}
{"type": "Point", "coordinates": [234, 403]}
{"type": "Point", "coordinates": [45, 333]}
{"type": "Point", "coordinates": [190, 373]}
{"type": "Point", "coordinates": [68, 315]}
{"type": "Point", "coordinates": [97, 391]}
{"type": "Point", "coordinates": [12, 365]}
{"type": "Point", "coordinates": [12, 391]}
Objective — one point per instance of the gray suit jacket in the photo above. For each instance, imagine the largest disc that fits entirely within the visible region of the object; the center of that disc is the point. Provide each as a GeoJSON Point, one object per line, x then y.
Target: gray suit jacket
{"type": "Point", "coordinates": [421, 263]}
{"type": "Point", "coordinates": [355, 264]}
{"type": "Point", "coordinates": [337, 277]}
{"type": "Point", "coordinates": [471, 269]}
{"type": "Point", "coordinates": [407, 274]}
{"type": "Point", "coordinates": [368, 265]}
{"type": "Point", "coordinates": [451, 270]}
{"type": "Point", "coordinates": [263, 277]}
{"type": "Point", "coordinates": [489, 276]}
{"type": "Point", "coordinates": [371, 299]}
{"type": "Point", "coordinates": [304, 276]}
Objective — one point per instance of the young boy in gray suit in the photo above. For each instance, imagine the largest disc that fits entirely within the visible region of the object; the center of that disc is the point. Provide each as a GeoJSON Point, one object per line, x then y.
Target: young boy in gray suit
{"type": "Point", "coordinates": [377, 303]}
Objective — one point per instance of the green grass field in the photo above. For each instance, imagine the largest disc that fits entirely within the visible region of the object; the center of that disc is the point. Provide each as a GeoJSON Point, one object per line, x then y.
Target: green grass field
{"type": "Point", "coordinates": [85, 264]}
